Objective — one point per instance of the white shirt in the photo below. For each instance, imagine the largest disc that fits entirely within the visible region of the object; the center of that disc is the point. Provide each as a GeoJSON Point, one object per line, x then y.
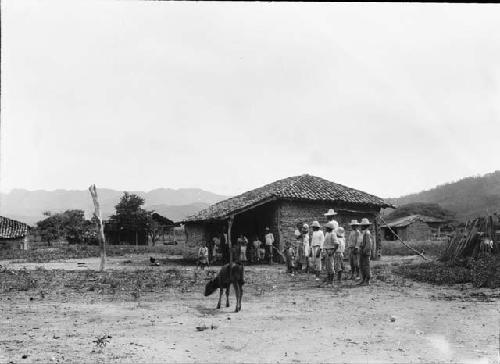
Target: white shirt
{"type": "Point", "coordinates": [341, 248]}
{"type": "Point", "coordinates": [269, 239]}
{"type": "Point", "coordinates": [318, 238]}
{"type": "Point", "coordinates": [335, 224]}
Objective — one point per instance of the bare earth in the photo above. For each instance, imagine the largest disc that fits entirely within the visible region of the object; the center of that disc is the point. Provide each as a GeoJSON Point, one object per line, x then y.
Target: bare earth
{"type": "Point", "coordinates": [283, 319]}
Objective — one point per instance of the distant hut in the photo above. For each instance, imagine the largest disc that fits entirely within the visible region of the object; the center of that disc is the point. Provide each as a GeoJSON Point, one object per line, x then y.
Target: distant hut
{"type": "Point", "coordinates": [413, 228]}
{"type": "Point", "coordinates": [13, 234]}
{"type": "Point", "coordinates": [282, 206]}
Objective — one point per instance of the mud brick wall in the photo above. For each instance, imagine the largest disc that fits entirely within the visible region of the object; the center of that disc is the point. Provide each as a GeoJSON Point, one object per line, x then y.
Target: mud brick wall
{"type": "Point", "coordinates": [195, 234]}
{"type": "Point", "coordinates": [418, 231]}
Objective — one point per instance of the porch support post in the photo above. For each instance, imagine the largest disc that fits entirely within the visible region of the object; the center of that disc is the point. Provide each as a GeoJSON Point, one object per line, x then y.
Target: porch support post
{"type": "Point", "coordinates": [229, 226]}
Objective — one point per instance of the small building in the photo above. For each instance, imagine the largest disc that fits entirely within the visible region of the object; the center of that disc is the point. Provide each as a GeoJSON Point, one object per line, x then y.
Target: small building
{"type": "Point", "coordinates": [13, 234]}
{"type": "Point", "coordinates": [283, 206]}
{"type": "Point", "coordinates": [414, 228]}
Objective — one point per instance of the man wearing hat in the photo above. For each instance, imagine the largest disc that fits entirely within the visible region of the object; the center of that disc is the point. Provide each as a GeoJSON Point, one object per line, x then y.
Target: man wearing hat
{"type": "Point", "coordinates": [330, 245]}
{"type": "Point", "coordinates": [365, 250]}
{"type": "Point", "coordinates": [329, 216]}
{"type": "Point", "coordinates": [317, 241]}
{"type": "Point", "coordinates": [354, 240]}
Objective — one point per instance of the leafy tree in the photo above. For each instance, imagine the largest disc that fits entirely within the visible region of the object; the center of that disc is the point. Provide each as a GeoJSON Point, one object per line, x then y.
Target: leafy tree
{"type": "Point", "coordinates": [69, 225]}
{"type": "Point", "coordinates": [156, 225]}
{"type": "Point", "coordinates": [421, 208]}
{"type": "Point", "coordinates": [129, 213]}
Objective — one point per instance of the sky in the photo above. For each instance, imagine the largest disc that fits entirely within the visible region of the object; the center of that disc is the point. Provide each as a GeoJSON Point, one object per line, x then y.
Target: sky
{"type": "Point", "coordinates": [390, 99]}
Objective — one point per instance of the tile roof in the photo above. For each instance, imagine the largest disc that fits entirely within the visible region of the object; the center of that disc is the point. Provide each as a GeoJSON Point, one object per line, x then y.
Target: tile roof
{"type": "Point", "coordinates": [12, 229]}
{"type": "Point", "coordinates": [303, 187]}
{"type": "Point", "coordinates": [407, 220]}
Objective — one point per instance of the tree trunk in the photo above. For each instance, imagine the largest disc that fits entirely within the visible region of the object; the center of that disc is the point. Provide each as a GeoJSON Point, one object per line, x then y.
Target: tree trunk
{"type": "Point", "coordinates": [100, 234]}
{"type": "Point", "coordinates": [136, 239]}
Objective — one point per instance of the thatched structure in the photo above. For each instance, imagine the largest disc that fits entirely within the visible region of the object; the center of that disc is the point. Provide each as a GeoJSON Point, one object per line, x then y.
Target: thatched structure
{"type": "Point", "coordinates": [479, 234]}
{"type": "Point", "coordinates": [282, 206]}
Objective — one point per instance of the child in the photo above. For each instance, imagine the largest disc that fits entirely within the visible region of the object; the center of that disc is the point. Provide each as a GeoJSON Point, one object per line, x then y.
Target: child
{"type": "Point", "coordinates": [338, 257]}
{"type": "Point", "coordinates": [203, 256]}
{"type": "Point", "coordinates": [290, 257]}
{"type": "Point", "coordinates": [256, 245]}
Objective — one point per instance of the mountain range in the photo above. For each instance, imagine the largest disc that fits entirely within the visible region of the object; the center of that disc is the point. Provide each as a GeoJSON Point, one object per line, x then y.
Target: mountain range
{"type": "Point", "coordinates": [175, 204]}
{"type": "Point", "coordinates": [466, 198]}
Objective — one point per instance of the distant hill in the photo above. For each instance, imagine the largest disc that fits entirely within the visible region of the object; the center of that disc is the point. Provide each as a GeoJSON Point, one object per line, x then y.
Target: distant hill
{"type": "Point", "coordinates": [28, 206]}
{"type": "Point", "coordinates": [466, 198]}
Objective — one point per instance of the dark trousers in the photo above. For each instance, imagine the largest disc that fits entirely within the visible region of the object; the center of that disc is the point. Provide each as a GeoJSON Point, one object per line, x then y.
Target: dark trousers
{"type": "Point", "coordinates": [354, 261]}
{"type": "Point", "coordinates": [364, 265]}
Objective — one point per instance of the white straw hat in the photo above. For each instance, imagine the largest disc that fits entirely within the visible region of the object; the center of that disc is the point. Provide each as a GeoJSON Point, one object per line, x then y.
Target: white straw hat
{"type": "Point", "coordinates": [365, 221]}
{"type": "Point", "coordinates": [330, 212]}
{"type": "Point", "coordinates": [315, 224]}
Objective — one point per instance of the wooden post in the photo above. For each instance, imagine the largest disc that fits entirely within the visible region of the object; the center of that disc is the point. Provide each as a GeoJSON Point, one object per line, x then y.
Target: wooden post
{"type": "Point", "coordinates": [100, 235]}
{"type": "Point", "coordinates": [229, 226]}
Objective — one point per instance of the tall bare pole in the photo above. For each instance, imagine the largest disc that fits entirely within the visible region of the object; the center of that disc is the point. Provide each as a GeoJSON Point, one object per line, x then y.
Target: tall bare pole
{"type": "Point", "coordinates": [100, 235]}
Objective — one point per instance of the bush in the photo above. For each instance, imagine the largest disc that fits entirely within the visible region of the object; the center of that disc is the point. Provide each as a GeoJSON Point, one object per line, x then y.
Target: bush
{"type": "Point", "coordinates": [483, 271]}
{"type": "Point", "coordinates": [486, 271]}
{"type": "Point", "coordinates": [436, 273]}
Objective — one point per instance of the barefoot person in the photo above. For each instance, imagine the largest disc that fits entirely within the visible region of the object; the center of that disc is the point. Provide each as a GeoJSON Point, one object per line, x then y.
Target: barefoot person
{"type": "Point", "coordinates": [338, 257]}
{"type": "Point", "coordinates": [317, 241]}
{"type": "Point", "coordinates": [303, 249]}
{"type": "Point", "coordinates": [354, 241]}
{"type": "Point", "coordinates": [269, 238]}
{"type": "Point", "coordinates": [365, 252]}
{"type": "Point", "coordinates": [202, 256]}
{"type": "Point", "coordinates": [330, 246]}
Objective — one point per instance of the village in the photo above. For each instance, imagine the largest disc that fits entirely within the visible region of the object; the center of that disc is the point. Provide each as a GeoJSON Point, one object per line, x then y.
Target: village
{"type": "Point", "coordinates": [131, 300]}
{"type": "Point", "coordinates": [249, 182]}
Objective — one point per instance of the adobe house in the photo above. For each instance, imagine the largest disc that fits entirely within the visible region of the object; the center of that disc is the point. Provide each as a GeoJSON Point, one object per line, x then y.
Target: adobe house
{"type": "Point", "coordinates": [414, 227]}
{"type": "Point", "coordinates": [13, 234]}
{"type": "Point", "coordinates": [282, 206]}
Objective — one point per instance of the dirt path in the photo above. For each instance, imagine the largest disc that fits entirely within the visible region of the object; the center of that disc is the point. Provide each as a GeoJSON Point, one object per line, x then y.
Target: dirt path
{"type": "Point", "coordinates": [288, 319]}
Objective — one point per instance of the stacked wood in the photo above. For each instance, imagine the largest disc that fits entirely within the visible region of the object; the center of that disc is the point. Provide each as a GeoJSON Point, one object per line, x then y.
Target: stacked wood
{"type": "Point", "coordinates": [467, 243]}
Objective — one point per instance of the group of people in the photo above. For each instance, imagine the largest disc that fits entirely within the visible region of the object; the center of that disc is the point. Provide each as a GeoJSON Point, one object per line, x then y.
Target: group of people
{"type": "Point", "coordinates": [242, 251]}
{"type": "Point", "coordinates": [315, 247]}
{"type": "Point", "coordinates": [312, 249]}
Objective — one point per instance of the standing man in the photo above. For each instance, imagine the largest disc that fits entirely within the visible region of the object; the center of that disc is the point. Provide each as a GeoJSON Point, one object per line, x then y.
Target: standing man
{"type": "Point", "coordinates": [317, 241]}
{"type": "Point", "coordinates": [354, 240]}
{"type": "Point", "coordinates": [329, 216]}
{"type": "Point", "coordinates": [269, 238]}
{"type": "Point", "coordinates": [330, 245]}
{"type": "Point", "coordinates": [365, 251]}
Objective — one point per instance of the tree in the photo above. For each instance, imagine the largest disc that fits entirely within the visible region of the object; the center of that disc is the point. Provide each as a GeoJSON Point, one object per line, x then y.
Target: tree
{"type": "Point", "coordinates": [69, 225]}
{"type": "Point", "coordinates": [421, 208]}
{"type": "Point", "coordinates": [130, 215]}
{"type": "Point", "coordinates": [156, 225]}
{"type": "Point", "coordinates": [51, 228]}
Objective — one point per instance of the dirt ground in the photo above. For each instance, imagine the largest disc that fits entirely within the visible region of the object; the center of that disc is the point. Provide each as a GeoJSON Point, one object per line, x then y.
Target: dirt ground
{"type": "Point", "coordinates": [283, 318]}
